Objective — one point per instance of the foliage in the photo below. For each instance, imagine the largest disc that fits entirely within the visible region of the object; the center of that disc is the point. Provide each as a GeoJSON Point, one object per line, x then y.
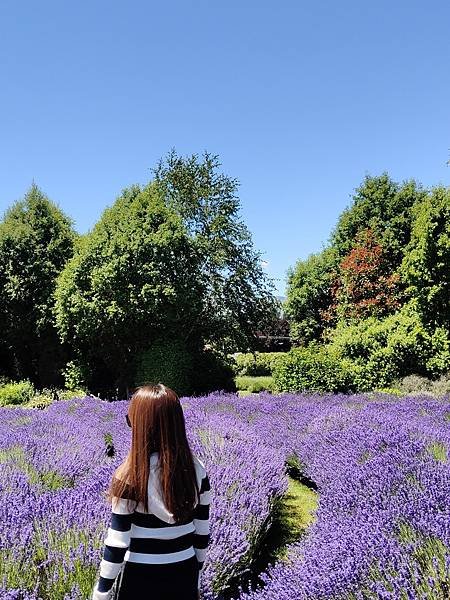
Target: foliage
{"type": "Point", "coordinates": [383, 206]}
{"type": "Point", "coordinates": [132, 280]}
{"type": "Point", "coordinates": [212, 371]}
{"type": "Point", "coordinates": [311, 368]}
{"type": "Point", "coordinates": [426, 265]}
{"type": "Point", "coordinates": [186, 370]}
{"type": "Point", "coordinates": [18, 392]}
{"type": "Point", "coordinates": [255, 384]}
{"type": "Point", "coordinates": [255, 363]}
{"type": "Point", "coordinates": [238, 299]}
{"type": "Point", "coordinates": [74, 376]}
{"type": "Point", "coordinates": [416, 384]}
{"type": "Point", "coordinates": [309, 295]}
{"type": "Point", "coordinates": [40, 401]}
{"type": "Point", "coordinates": [358, 274]}
{"type": "Point", "coordinates": [36, 240]}
{"type": "Point", "coordinates": [396, 346]}
{"type": "Point", "coordinates": [365, 285]}
{"type": "Point", "coordinates": [168, 362]}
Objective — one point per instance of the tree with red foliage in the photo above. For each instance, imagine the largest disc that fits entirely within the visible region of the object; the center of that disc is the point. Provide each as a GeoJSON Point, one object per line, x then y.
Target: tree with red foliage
{"type": "Point", "coordinates": [364, 285]}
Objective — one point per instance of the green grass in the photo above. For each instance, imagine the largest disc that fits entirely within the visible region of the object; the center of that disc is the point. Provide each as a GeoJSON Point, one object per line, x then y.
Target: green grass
{"type": "Point", "coordinates": [292, 514]}
{"type": "Point", "coordinates": [296, 513]}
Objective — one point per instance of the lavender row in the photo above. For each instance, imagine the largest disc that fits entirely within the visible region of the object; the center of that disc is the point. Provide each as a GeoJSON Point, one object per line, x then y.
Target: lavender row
{"type": "Point", "coordinates": [53, 515]}
{"type": "Point", "coordinates": [382, 529]}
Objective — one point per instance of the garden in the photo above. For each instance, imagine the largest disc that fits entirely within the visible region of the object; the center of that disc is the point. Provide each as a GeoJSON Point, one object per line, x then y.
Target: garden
{"type": "Point", "coordinates": [323, 418]}
{"type": "Point", "coordinates": [375, 468]}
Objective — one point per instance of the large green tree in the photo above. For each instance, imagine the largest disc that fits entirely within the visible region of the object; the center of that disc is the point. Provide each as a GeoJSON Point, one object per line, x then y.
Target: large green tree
{"type": "Point", "coordinates": [36, 240]}
{"type": "Point", "coordinates": [239, 297]}
{"type": "Point", "coordinates": [353, 278]}
{"type": "Point", "coordinates": [309, 295]}
{"type": "Point", "coordinates": [384, 206]}
{"type": "Point", "coordinates": [426, 265]}
{"type": "Point", "coordinates": [133, 279]}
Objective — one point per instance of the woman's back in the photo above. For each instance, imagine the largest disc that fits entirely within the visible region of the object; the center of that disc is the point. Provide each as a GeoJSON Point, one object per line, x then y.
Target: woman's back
{"type": "Point", "coordinates": [155, 537]}
{"type": "Point", "coordinates": [160, 500]}
{"type": "Point", "coordinates": [156, 557]}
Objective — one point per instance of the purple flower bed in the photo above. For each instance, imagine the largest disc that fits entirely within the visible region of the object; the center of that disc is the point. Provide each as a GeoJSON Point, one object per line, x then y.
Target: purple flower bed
{"type": "Point", "coordinates": [53, 515]}
{"type": "Point", "coordinates": [382, 528]}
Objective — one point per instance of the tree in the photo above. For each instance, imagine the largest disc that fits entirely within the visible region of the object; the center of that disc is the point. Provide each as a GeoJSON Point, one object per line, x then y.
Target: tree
{"type": "Point", "coordinates": [366, 286]}
{"type": "Point", "coordinates": [36, 240]}
{"type": "Point", "coordinates": [239, 297]}
{"type": "Point", "coordinates": [426, 265]}
{"type": "Point", "coordinates": [383, 206]}
{"type": "Point", "coordinates": [309, 295]}
{"type": "Point", "coordinates": [133, 280]}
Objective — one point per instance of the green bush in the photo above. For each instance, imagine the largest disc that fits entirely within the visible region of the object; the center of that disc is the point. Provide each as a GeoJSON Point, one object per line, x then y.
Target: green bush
{"type": "Point", "coordinates": [391, 348]}
{"type": "Point", "coordinates": [74, 376]}
{"type": "Point", "coordinates": [69, 394]}
{"type": "Point", "coordinates": [255, 384]}
{"type": "Point", "coordinates": [39, 401]}
{"type": "Point", "coordinates": [255, 363]}
{"type": "Point", "coordinates": [211, 372]}
{"type": "Point", "coordinates": [312, 368]}
{"type": "Point", "coordinates": [184, 370]}
{"type": "Point", "coordinates": [392, 391]}
{"type": "Point", "coordinates": [16, 392]}
{"type": "Point", "coordinates": [168, 362]}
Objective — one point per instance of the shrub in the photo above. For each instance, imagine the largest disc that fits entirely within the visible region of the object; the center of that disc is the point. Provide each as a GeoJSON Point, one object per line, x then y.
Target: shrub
{"type": "Point", "coordinates": [255, 384]}
{"type": "Point", "coordinates": [69, 394]}
{"type": "Point", "coordinates": [211, 372]}
{"type": "Point", "coordinates": [16, 393]}
{"type": "Point", "coordinates": [40, 401]}
{"type": "Point", "coordinates": [387, 349]}
{"type": "Point", "coordinates": [256, 363]}
{"type": "Point", "coordinates": [184, 370]}
{"type": "Point", "coordinates": [416, 384]}
{"type": "Point", "coordinates": [441, 387]}
{"type": "Point", "coordinates": [392, 391]}
{"type": "Point", "coordinates": [167, 362]}
{"type": "Point", "coordinates": [312, 368]}
{"type": "Point", "coordinates": [74, 376]}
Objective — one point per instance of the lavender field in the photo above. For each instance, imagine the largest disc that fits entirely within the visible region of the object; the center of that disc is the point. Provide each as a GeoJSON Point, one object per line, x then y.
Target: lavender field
{"type": "Point", "coordinates": [380, 464]}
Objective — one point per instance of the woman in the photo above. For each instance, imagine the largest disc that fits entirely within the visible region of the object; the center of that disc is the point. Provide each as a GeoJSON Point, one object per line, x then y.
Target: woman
{"type": "Point", "coordinates": [160, 498]}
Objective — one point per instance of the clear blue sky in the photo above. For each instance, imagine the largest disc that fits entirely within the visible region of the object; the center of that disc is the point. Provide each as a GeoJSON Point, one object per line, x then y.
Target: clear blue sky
{"type": "Point", "coordinates": [299, 99]}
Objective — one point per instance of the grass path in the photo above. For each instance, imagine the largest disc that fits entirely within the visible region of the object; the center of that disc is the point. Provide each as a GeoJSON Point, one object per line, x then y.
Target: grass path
{"type": "Point", "coordinates": [293, 514]}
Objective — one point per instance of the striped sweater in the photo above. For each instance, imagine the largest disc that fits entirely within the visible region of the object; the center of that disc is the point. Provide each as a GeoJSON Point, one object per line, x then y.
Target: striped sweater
{"type": "Point", "coordinates": [152, 537]}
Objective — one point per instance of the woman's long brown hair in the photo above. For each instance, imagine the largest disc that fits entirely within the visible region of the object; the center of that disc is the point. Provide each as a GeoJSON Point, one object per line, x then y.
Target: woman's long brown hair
{"type": "Point", "coordinates": [158, 425]}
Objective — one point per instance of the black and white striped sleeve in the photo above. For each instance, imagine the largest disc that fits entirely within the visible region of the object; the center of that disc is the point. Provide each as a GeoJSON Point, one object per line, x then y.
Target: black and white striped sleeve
{"type": "Point", "coordinates": [201, 523]}
{"type": "Point", "coordinates": [116, 543]}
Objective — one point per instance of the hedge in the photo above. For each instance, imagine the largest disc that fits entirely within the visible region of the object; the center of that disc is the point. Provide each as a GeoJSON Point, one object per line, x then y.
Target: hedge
{"type": "Point", "coordinates": [255, 363]}
{"type": "Point", "coordinates": [312, 369]}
